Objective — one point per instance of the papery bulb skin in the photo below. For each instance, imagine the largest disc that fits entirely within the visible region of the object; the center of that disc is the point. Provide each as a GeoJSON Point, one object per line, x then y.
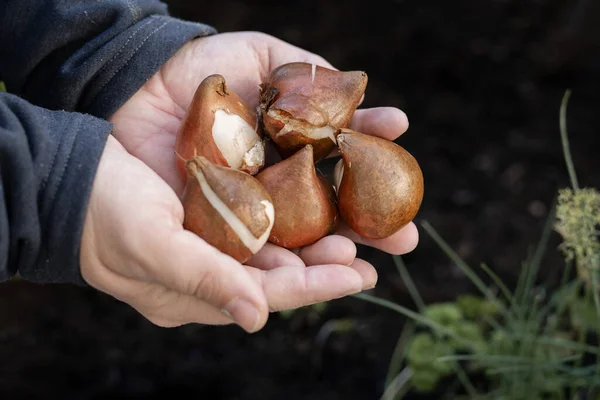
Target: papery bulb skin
{"type": "Point", "coordinates": [379, 185]}
{"type": "Point", "coordinates": [329, 190]}
{"type": "Point", "coordinates": [230, 209]}
{"type": "Point", "coordinates": [304, 208]}
{"type": "Point", "coordinates": [304, 103]}
{"type": "Point", "coordinates": [220, 126]}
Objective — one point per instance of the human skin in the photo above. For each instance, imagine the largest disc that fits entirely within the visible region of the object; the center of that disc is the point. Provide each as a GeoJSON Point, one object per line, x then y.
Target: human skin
{"type": "Point", "coordinates": [134, 246]}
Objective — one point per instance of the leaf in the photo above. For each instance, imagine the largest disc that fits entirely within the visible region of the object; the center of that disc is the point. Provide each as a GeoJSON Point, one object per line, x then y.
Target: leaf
{"type": "Point", "coordinates": [470, 305]}
{"type": "Point", "coordinates": [474, 307]}
{"type": "Point", "coordinates": [445, 314]}
{"type": "Point", "coordinates": [2, 87]}
{"type": "Point", "coordinates": [472, 332]}
{"type": "Point", "coordinates": [500, 343]}
{"type": "Point", "coordinates": [424, 352]}
{"type": "Point", "coordinates": [583, 315]}
{"type": "Point", "coordinates": [320, 307]}
{"type": "Point", "coordinates": [287, 314]}
{"type": "Point", "coordinates": [425, 380]}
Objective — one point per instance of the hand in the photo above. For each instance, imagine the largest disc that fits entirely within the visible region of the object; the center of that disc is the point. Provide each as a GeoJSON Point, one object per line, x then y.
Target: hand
{"type": "Point", "coordinates": [134, 248]}
{"type": "Point", "coordinates": [147, 125]}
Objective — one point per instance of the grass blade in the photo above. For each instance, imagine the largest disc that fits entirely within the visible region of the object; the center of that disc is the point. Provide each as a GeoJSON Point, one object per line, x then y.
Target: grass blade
{"type": "Point", "coordinates": [399, 386]}
{"type": "Point", "coordinates": [400, 351]}
{"type": "Point", "coordinates": [540, 250]}
{"type": "Point", "coordinates": [505, 291]}
{"type": "Point", "coordinates": [414, 316]}
{"type": "Point", "coordinates": [410, 285]}
{"type": "Point", "coordinates": [558, 364]}
{"type": "Point", "coordinates": [460, 263]}
{"type": "Point", "coordinates": [594, 278]}
{"type": "Point", "coordinates": [464, 380]}
{"type": "Point", "coordinates": [568, 344]}
{"type": "Point", "coordinates": [565, 140]}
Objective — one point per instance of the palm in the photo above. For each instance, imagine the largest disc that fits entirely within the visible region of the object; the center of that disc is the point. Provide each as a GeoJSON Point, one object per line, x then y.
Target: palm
{"type": "Point", "coordinates": [148, 123]}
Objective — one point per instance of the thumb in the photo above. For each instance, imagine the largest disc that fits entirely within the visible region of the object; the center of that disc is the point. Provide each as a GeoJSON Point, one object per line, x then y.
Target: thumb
{"type": "Point", "coordinates": [187, 264]}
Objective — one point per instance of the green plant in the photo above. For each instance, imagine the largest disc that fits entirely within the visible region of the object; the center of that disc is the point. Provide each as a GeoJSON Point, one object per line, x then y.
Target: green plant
{"type": "Point", "coordinates": [2, 87]}
{"type": "Point", "coordinates": [529, 343]}
{"type": "Point", "coordinates": [578, 220]}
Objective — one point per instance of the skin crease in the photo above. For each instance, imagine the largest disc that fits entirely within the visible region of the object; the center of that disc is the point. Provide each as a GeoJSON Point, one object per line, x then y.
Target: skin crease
{"type": "Point", "coordinates": [134, 246]}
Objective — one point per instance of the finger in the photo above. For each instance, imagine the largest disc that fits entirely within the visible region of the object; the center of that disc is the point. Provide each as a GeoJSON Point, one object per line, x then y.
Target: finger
{"type": "Point", "coordinates": [402, 242]}
{"type": "Point", "coordinates": [181, 261]}
{"type": "Point", "coordinates": [333, 249]}
{"type": "Point", "coordinates": [291, 287]}
{"type": "Point", "coordinates": [272, 256]}
{"type": "Point", "coordinates": [281, 52]}
{"type": "Point", "coordinates": [385, 122]}
{"type": "Point", "coordinates": [366, 271]}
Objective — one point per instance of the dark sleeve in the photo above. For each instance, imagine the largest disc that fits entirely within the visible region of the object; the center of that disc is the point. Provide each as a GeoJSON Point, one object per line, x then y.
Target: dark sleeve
{"type": "Point", "coordinates": [48, 160]}
{"type": "Point", "coordinates": [86, 55]}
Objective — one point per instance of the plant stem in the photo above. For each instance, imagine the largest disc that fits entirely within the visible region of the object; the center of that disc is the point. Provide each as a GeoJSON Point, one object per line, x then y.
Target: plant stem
{"type": "Point", "coordinates": [400, 351]}
{"type": "Point", "coordinates": [415, 316]}
{"type": "Point", "coordinates": [505, 291]}
{"type": "Point", "coordinates": [466, 269]}
{"type": "Point", "coordinates": [594, 276]}
{"type": "Point", "coordinates": [565, 140]}
{"type": "Point", "coordinates": [464, 380]}
{"type": "Point", "coordinates": [410, 285]}
{"type": "Point", "coordinates": [536, 259]}
{"type": "Point", "coordinates": [399, 386]}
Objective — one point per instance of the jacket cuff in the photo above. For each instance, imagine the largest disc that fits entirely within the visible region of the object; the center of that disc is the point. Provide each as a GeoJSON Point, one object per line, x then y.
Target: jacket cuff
{"type": "Point", "coordinates": [65, 197]}
{"type": "Point", "coordinates": [145, 47]}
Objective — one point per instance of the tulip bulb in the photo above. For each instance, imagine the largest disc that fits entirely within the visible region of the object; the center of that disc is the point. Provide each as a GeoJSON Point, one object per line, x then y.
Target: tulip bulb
{"type": "Point", "coordinates": [303, 103]}
{"type": "Point", "coordinates": [304, 204]}
{"type": "Point", "coordinates": [227, 208]}
{"type": "Point", "coordinates": [220, 126]}
{"type": "Point", "coordinates": [379, 184]}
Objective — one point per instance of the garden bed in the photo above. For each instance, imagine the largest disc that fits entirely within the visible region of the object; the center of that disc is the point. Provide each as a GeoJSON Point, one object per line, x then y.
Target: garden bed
{"type": "Point", "coordinates": [481, 83]}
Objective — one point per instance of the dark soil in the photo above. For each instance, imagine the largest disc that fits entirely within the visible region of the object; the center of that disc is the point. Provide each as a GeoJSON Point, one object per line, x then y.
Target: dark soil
{"type": "Point", "coordinates": [481, 82]}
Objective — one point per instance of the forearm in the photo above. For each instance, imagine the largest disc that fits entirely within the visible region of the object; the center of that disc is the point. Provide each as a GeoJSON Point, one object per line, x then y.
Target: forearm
{"type": "Point", "coordinates": [48, 161]}
{"type": "Point", "coordinates": [87, 55]}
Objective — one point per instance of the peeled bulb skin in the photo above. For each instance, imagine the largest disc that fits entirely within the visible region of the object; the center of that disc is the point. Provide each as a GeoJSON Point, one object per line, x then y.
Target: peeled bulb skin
{"type": "Point", "coordinates": [381, 185]}
{"type": "Point", "coordinates": [218, 125]}
{"type": "Point", "coordinates": [227, 208]}
{"type": "Point", "coordinates": [304, 208]}
{"type": "Point", "coordinates": [303, 103]}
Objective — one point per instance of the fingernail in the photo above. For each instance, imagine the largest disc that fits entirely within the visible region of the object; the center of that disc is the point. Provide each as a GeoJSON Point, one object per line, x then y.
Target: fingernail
{"type": "Point", "coordinates": [370, 285]}
{"type": "Point", "coordinates": [243, 313]}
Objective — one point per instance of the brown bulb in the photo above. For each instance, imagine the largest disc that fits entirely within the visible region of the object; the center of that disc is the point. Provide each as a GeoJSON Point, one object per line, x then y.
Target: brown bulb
{"type": "Point", "coordinates": [229, 209]}
{"type": "Point", "coordinates": [304, 208]}
{"type": "Point", "coordinates": [303, 103]}
{"type": "Point", "coordinates": [379, 184]}
{"type": "Point", "coordinates": [218, 125]}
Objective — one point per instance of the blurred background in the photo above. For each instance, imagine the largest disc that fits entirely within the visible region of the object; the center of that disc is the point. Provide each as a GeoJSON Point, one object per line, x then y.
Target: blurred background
{"type": "Point", "coordinates": [481, 82]}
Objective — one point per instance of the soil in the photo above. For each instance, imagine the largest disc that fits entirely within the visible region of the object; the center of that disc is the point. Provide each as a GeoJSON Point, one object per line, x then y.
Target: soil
{"type": "Point", "coordinates": [481, 82]}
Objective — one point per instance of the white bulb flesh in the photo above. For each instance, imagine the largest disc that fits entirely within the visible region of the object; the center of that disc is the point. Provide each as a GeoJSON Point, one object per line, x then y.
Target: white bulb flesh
{"type": "Point", "coordinates": [235, 138]}
{"type": "Point", "coordinates": [338, 174]}
{"type": "Point", "coordinates": [252, 243]}
{"type": "Point", "coordinates": [303, 127]}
